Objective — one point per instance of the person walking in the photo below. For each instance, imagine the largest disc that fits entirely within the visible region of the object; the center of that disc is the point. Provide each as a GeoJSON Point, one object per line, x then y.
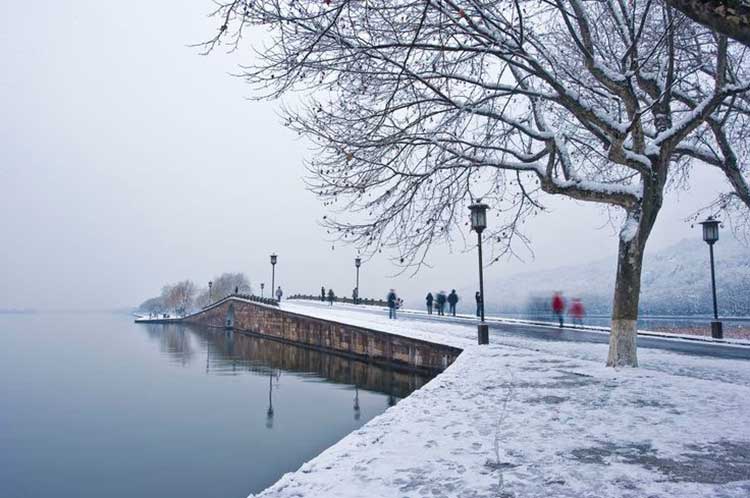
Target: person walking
{"type": "Point", "coordinates": [558, 306]}
{"type": "Point", "coordinates": [577, 312]}
{"type": "Point", "coordinates": [392, 299]}
{"type": "Point", "coordinates": [322, 294]}
{"type": "Point", "coordinates": [331, 297]}
{"type": "Point", "coordinates": [440, 301]}
{"type": "Point", "coordinates": [478, 297]}
{"type": "Point", "coordinates": [429, 299]}
{"type": "Point", "coordinates": [452, 301]}
{"type": "Point", "coordinates": [279, 293]}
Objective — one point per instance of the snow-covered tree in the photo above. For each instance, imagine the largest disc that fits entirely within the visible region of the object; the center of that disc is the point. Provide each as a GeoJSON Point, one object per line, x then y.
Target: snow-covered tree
{"type": "Point", "coordinates": [179, 296]}
{"type": "Point", "coordinates": [419, 107]}
{"type": "Point", "coordinates": [226, 283]}
{"type": "Point", "coordinates": [222, 286]}
{"type": "Point", "coordinates": [153, 305]}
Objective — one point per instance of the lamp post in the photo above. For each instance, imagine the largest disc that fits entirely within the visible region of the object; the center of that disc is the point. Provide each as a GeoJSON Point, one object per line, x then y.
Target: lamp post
{"type": "Point", "coordinates": [711, 235]}
{"type": "Point", "coordinates": [273, 272]}
{"type": "Point", "coordinates": [478, 224]}
{"type": "Point", "coordinates": [261, 288]}
{"type": "Point", "coordinates": [210, 296]}
{"type": "Point", "coordinates": [357, 263]}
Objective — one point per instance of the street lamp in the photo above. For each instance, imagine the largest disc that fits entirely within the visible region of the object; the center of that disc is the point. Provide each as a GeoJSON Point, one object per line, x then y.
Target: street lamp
{"type": "Point", "coordinates": [711, 235]}
{"type": "Point", "coordinates": [357, 263]}
{"type": "Point", "coordinates": [273, 272]}
{"type": "Point", "coordinates": [478, 224]}
{"type": "Point", "coordinates": [261, 288]}
{"type": "Point", "coordinates": [210, 298]}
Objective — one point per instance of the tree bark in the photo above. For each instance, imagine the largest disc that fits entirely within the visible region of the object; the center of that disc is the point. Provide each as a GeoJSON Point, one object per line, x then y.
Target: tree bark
{"type": "Point", "coordinates": [728, 17]}
{"type": "Point", "coordinates": [622, 338]}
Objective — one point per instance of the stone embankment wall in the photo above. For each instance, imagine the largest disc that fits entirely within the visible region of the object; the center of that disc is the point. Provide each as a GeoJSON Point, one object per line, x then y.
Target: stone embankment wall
{"type": "Point", "coordinates": [339, 338]}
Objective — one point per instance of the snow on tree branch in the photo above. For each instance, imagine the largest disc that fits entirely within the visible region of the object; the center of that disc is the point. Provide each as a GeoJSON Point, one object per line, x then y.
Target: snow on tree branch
{"type": "Point", "coordinates": [418, 107]}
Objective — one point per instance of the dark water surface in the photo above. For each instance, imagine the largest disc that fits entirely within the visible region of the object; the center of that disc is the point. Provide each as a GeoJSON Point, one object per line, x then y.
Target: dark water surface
{"type": "Point", "coordinates": [93, 405]}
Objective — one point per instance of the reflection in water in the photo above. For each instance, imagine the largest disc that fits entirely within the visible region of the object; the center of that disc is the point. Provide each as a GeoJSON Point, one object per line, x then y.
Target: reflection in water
{"type": "Point", "coordinates": [357, 414]}
{"type": "Point", "coordinates": [269, 412]}
{"type": "Point", "coordinates": [232, 353]}
{"type": "Point", "coordinates": [174, 341]}
{"type": "Point", "coordinates": [192, 399]}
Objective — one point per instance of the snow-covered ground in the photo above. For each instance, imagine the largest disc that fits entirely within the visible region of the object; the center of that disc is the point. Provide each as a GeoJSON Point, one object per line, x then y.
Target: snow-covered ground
{"type": "Point", "coordinates": [463, 336]}
{"type": "Point", "coordinates": [541, 323]}
{"type": "Point", "coordinates": [531, 418]}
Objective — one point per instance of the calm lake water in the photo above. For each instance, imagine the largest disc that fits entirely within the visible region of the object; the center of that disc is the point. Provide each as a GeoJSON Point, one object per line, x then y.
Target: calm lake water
{"type": "Point", "coordinates": [93, 405]}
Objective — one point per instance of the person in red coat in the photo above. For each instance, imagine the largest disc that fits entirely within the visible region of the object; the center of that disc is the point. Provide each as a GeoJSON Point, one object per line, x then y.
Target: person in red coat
{"type": "Point", "coordinates": [558, 306]}
{"type": "Point", "coordinates": [577, 312]}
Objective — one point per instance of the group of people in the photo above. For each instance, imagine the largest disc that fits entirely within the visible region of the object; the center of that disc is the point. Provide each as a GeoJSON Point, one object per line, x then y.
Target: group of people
{"type": "Point", "coordinates": [575, 310]}
{"type": "Point", "coordinates": [331, 295]}
{"type": "Point", "coordinates": [436, 303]}
{"type": "Point", "coordinates": [439, 301]}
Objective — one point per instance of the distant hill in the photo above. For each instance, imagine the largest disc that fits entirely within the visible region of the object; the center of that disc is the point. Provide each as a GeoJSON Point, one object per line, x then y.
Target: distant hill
{"type": "Point", "coordinates": [676, 281]}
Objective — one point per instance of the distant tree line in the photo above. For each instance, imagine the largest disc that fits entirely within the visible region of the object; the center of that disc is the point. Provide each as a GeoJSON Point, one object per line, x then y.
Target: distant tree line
{"type": "Point", "coordinates": [185, 296]}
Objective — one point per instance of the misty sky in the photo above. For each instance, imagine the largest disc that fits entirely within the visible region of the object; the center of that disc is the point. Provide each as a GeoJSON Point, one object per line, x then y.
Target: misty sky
{"type": "Point", "coordinates": [128, 161]}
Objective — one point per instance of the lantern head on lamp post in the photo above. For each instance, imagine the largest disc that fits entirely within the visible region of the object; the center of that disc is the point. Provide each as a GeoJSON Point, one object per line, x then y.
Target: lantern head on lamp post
{"type": "Point", "coordinates": [710, 236]}
{"type": "Point", "coordinates": [478, 217]}
{"type": "Point", "coordinates": [710, 230]}
{"type": "Point", "coordinates": [478, 224]}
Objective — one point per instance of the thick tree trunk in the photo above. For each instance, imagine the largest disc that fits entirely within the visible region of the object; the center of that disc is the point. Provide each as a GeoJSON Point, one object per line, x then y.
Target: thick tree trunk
{"type": "Point", "coordinates": [622, 338]}
{"type": "Point", "coordinates": [728, 17]}
{"type": "Point", "coordinates": [633, 237]}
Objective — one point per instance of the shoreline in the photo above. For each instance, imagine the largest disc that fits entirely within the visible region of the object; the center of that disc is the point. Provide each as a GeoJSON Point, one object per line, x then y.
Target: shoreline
{"type": "Point", "coordinates": [522, 418]}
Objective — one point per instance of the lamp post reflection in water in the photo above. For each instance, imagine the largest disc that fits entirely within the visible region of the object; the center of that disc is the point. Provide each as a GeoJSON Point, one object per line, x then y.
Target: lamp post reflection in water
{"type": "Point", "coordinates": [391, 382]}
{"type": "Point", "coordinates": [357, 412]}
{"type": "Point", "coordinates": [208, 354]}
{"type": "Point", "coordinates": [229, 347]}
{"type": "Point", "coordinates": [269, 412]}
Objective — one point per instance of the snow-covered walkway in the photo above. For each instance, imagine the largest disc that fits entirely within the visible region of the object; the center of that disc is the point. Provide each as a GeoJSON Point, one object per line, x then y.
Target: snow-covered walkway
{"type": "Point", "coordinates": [531, 418]}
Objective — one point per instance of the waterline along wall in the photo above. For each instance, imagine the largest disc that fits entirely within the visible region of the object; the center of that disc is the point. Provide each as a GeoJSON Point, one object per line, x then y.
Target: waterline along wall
{"type": "Point", "coordinates": [325, 335]}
